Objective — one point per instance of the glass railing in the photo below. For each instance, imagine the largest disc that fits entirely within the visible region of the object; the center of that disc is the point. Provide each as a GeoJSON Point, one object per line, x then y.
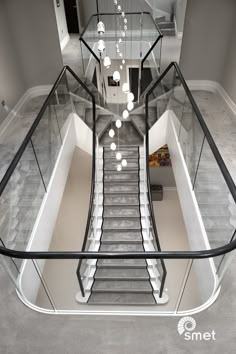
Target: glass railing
{"type": "Point", "coordinates": [140, 46]}
{"type": "Point", "coordinates": [49, 281]}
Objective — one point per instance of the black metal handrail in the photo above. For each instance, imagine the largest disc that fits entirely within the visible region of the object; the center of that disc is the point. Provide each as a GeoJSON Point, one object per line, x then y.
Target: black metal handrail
{"type": "Point", "coordinates": [201, 254]}
{"type": "Point", "coordinates": [150, 50]}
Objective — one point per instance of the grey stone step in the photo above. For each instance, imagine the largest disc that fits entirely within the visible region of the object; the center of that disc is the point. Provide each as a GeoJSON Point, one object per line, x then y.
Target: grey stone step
{"type": "Point", "coordinates": [168, 31]}
{"type": "Point", "coordinates": [220, 235]}
{"type": "Point", "coordinates": [120, 237]}
{"type": "Point", "coordinates": [121, 299]}
{"type": "Point", "coordinates": [121, 224]}
{"type": "Point", "coordinates": [122, 274]}
{"type": "Point", "coordinates": [214, 210]}
{"type": "Point", "coordinates": [139, 122]}
{"type": "Point", "coordinates": [112, 165]}
{"type": "Point", "coordinates": [219, 222]}
{"type": "Point", "coordinates": [125, 247]}
{"type": "Point", "coordinates": [213, 198]}
{"type": "Point", "coordinates": [116, 199]}
{"type": "Point", "coordinates": [160, 19]}
{"type": "Point", "coordinates": [113, 188]}
{"type": "Point", "coordinates": [121, 211]}
{"type": "Point", "coordinates": [132, 286]}
{"type": "Point", "coordinates": [166, 24]}
{"type": "Point", "coordinates": [121, 176]}
{"type": "Point", "coordinates": [124, 151]}
{"type": "Point", "coordinates": [121, 263]}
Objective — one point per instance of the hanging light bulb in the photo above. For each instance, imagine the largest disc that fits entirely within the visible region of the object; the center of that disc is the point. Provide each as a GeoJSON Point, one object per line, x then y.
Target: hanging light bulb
{"type": "Point", "coordinates": [125, 28]}
{"type": "Point", "coordinates": [119, 8]}
{"type": "Point", "coordinates": [111, 133]}
{"type": "Point", "coordinates": [116, 76]}
{"type": "Point", "coordinates": [107, 62]}
{"type": "Point", "coordinates": [125, 20]}
{"type": "Point", "coordinates": [119, 168]}
{"type": "Point", "coordinates": [117, 45]}
{"type": "Point", "coordinates": [121, 67]}
{"type": "Point", "coordinates": [123, 14]}
{"type": "Point", "coordinates": [125, 87]}
{"type": "Point", "coordinates": [100, 27]}
{"type": "Point", "coordinates": [123, 34]}
{"type": "Point", "coordinates": [123, 61]}
{"type": "Point", "coordinates": [130, 106]}
{"type": "Point", "coordinates": [121, 55]}
{"type": "Point", "coordinates": [118, 156]}
{"type": "Point", "coordinates": [113, 146]}
{"type": "Point", "coordinates": [124, 163]}
{"type": "Point", "coordinates": [118, 123]}
{"type": "Point", "coordinates": [130, 96]}
{"type": "Point", "coordinates": [101, 45]}
{"type": "Point", "coordinates": [125, 114]}
{"type": "Point", "coordinates": [115, 2]}
{"type": "Point", "coordinates": [120, 40]}
{"type": "Point", "coordinates": [117, 50]}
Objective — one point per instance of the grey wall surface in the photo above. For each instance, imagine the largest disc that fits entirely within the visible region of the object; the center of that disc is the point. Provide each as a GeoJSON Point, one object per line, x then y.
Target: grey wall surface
{"type": "Point", "coordinates": [207, 29]}
{"type": "Point", "coordinates": [163, 176]}
{"type": "Point", "coordinates": [228, 78]}
{"type": "Point", "coordinates": [34, 28]}
{"type": "Point", "coordinates": [12, 83]}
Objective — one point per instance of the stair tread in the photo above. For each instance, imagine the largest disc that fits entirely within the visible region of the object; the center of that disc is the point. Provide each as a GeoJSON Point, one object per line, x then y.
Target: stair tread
{"type": "Point", "coordinates": [117, 199]}
{"type": "Point", "coordinates": [121, 236]}
{"type": "Point", "coordinates": [119, 274]}
{"type": "Point", "coordinates": [127, 247]}
{"type": "Point", "coordinates": [137, 263]}
{"type": "Point", "coordinates": [121, 211]}
{"type": "Point", "coordinates": [121, 285]}
{"type": "Point", "coordinates": [121, 299]}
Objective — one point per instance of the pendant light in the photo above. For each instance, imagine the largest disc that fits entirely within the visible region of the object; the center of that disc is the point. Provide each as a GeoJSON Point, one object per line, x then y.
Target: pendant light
{"type": "Point", "coordinates": [115, 2]}
{"type": "Point", "coordinates": [113, 146]}
{"type": "Point", "coordinates": [124, 163]}
{"type": "Point", "coordinates": [125, 114]}
{"type": "Point", "coordinates": [119, 168]}
{"type": "Point", "coordinates": [125, 20]}
{"type": "Point", "coordinates": [100, 27]}
{"type": "Point", "coordinates": [121, 67]}
{"type": "Point", "coordinates": [120, 40]}
{"type": "Point", "coordinates": [118, 156]}
{"type": "Point", "coordinates": [119, 8]}
{"type": "Point", "coordinates": [118, 124]}
{"type": "Point", "coordinates": [125, 28]}
{"type": "Point", "coordinates": [130, 106]}
{"type": "Point", "coordinates": [125, 87]}
{"type": "Point", "coordinates": [123, 34]}
{"type": "Point", "coordinates": [101, 45]}
{"type": "Point", "coordinates": [111, 133]}
{"type": "Point", "coordinates": [107, 62]}
{"type": "Point", "coordinates": [123, 14]}
{"type": "Point", "coordinates": [123, 61]}
{"type": "Point", "coordinates": [130, 97]}
{"type": "Point", "coordinates": [116, 76]}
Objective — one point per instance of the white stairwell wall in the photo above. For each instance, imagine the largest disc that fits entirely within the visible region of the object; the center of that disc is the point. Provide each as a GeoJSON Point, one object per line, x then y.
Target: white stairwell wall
{"type": "Point", "coordinates": [77, 134]}
{"type": "Point", "coordinates": [164, 132]}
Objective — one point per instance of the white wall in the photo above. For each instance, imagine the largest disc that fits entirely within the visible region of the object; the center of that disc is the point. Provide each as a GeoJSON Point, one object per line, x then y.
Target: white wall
{"type": "Point", "coordinates": [180, 9]}
{"type": "Point", "coordinates": [61, 23]}
{"type": "Point", "coordinates": [78, 134]}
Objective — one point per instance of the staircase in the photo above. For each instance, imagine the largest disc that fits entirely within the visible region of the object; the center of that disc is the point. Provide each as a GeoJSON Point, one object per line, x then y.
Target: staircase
{"type": "Point", "coordinates": [166, 27]}
{"type": "Point", "coordinates": [121, 281]}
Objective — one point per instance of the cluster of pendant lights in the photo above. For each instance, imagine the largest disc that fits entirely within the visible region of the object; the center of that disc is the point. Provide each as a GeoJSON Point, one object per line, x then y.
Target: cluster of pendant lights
{"type": "Point", "coordinates": [116, 78]}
